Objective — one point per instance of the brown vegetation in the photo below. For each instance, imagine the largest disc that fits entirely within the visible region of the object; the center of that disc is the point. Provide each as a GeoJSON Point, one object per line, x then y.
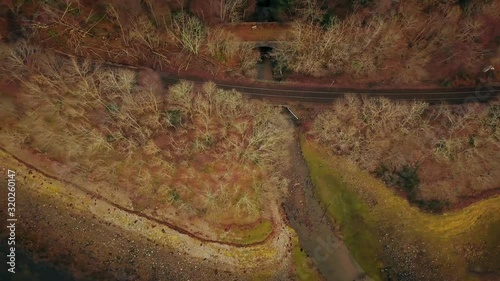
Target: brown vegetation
{"type": "Point", "coordinates": [198, 152]}
{"type": "Point", "coordinates": [436, 154]}
{"type": "Point", "coordinates": [219, 11]}
{"type": "Point", "coordinates": [353, 42]}
{"type": "Point", "coordinates": [405, 43]}
{"type": "Point", "coordinates": [149, 34]}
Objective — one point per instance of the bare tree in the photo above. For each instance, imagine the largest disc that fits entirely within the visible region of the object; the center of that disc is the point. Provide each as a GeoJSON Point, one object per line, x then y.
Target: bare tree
{"type": "Point", "coordinates": [222, 45]}
{"type": "Point", "coordinates": [72, 28]}
{"type": "Point", "coordinates": [232, 10]}
{"type": "Point", "coordinates": [189, 32]}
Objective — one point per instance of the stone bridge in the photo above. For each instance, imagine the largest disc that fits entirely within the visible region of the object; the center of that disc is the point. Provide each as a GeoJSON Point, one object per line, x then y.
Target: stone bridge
{"type": "Point", "coordinates": [260, 34]}
{"type": "Point", "coordinates": [259, 44]}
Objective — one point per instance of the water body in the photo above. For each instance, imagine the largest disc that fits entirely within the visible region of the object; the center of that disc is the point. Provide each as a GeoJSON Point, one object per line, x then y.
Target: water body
{"type": "Point", "coordinates": [28, 269]}
{"type": "Point", "coordinates": [317, 235]}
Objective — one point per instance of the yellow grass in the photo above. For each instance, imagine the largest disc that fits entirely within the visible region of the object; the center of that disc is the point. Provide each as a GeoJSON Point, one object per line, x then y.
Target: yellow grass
{"type": "Point", "coordinates": [246, 236]}
{"type": "Point", "coordinates": [365, 208]}
{"type": "Point", "coordinates": [304, 270]}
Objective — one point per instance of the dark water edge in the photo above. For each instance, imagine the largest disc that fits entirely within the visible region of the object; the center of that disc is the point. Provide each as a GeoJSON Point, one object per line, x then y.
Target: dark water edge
{"type": "Point", "coordinates": [27, 269]}
{"type": "Point", "coordinates": [317, 235]}
{"type": "Point", "coordinates": [63, 244]}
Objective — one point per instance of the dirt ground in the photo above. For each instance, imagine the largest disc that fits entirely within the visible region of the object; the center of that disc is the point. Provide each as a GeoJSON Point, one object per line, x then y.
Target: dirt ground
{"type": "Point", "coordinates": [95, 250]}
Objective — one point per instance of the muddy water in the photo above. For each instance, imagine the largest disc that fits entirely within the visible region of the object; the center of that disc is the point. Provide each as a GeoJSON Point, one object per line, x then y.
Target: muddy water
{"type": "Point", "coordinates": [318, 237]}
{"type": "Point", "coordinates": [30, 269]}
{"type": "Point", "coordinates": [265, 70]}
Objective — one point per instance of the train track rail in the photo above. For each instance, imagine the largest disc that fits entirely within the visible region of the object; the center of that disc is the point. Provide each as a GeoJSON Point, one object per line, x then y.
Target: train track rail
{"type": "Point", "coordinates": [271, 91]}
{"type": "Point", "coordinates": [480, 93]}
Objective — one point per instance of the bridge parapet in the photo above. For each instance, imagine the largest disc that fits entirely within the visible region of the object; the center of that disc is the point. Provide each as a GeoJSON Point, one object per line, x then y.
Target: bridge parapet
{"type": "Point", "coordinates": [258, 44]}
{"type": "Point", "coordinates": [258, 32]}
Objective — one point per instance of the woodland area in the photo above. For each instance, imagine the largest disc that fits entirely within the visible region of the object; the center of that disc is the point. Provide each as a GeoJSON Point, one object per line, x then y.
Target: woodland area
{"type": "Point", "coordinates": [196, 151]}
{"type": "Point", "coordinates": [113, 115]}
{"type": "Point", "coordinates": [84, 88]}
{"type": "Point", "coordinates": [376, 42]}
{"type": "Point", "coordinates": [147, 33]}
{"type": "Point", "coordinates": [436, 155]}
{"type": "Point", "coordinates": [406, 42]}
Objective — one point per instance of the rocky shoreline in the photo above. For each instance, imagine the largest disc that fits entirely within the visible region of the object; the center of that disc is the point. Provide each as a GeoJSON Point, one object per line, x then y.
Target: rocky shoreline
{"type": "Point", "coordinates": [93, 238]}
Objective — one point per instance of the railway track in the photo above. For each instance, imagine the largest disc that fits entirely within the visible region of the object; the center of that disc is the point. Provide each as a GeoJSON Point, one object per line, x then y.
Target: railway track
{"type": "Point", "coordinates": [272, 91]}
{"type": "Point", "coordinates": [481, 93]}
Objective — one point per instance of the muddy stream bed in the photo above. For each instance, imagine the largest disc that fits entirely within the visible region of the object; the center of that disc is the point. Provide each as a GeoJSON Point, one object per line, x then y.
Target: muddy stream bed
{"type": "Point", "coordinates": [317, 236]}
{"type": "Point", "coordinates": [40, 215]}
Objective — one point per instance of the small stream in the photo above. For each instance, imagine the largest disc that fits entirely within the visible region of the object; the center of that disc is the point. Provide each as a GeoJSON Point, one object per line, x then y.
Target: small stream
{"type": "Point", "coordinates": [317, 235]}
{"type": "Point", "coordinates": [265, 65]}
{"type": "Point", "coordinates": [304, 213]}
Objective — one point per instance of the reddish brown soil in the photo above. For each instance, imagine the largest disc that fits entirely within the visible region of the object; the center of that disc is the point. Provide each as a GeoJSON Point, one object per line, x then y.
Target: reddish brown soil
{"type": "Point", "coordinates": [258, 32]}
{"type": "Point", "coordinates": [469, 200]}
